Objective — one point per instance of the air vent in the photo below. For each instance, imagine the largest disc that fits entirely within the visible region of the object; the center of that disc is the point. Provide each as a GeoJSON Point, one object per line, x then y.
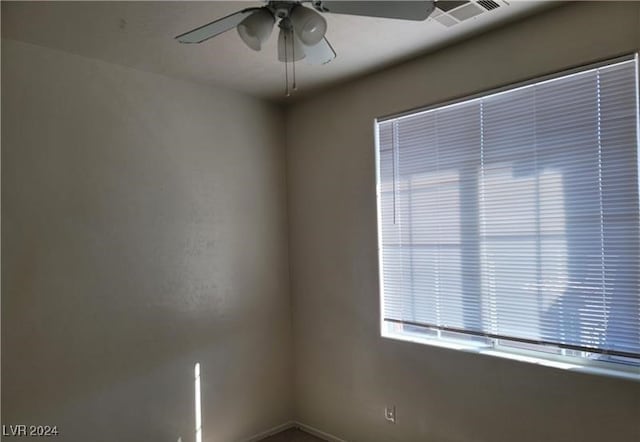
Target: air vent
{"type": "Point", "coordinates": [450, 13]}
{"type": "Point", "coordinates": [466, 12]}
{"type": "Point", "coordinates": [488, 4]}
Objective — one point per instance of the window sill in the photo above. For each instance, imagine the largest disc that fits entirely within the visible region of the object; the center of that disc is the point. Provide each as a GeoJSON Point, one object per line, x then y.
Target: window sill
{"type": "Point", "coordinates": [564, 363]}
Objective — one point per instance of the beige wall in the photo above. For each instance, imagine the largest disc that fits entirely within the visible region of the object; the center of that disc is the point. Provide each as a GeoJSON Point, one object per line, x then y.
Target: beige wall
{"type": "Point", "coordinates": [346, 373]}
{"type": "Point", "coordinates": [143, 230]}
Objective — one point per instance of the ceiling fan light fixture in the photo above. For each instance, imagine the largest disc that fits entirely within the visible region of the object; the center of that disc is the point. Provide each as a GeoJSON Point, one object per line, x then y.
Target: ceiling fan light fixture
{"type": "Point", "coordinates": [309, 25]}
{"type": "Point", "coordinates": [256, 28]}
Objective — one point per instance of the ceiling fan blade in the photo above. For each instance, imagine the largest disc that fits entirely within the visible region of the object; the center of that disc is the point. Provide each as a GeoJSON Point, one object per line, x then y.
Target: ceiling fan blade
{"type": "Point", "coordinates": [321, 53]}
{"type": "Point", "coordinates": [210, 30]}
{"type": "Point", "coordinates": [406, 10]}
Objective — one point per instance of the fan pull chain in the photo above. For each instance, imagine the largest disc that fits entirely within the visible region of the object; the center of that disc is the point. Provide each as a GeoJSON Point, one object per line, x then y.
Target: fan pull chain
{"type": "Point", "coordinates": [293, 52]}
{"type": "Point", "coordinates": [286, 67]}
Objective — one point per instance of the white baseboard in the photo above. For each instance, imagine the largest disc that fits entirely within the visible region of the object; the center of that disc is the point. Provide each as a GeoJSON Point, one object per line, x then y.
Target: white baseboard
{"type": "Point", "coordinates": [318, 433]}
{"type": "Point", "coordinates": [270, 432]}
{"type": "Point", "coordinates": [294, 424]}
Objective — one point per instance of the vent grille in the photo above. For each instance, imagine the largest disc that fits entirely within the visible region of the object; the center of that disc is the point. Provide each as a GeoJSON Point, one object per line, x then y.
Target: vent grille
{"type": "Point", "coordinates": [451, 12]}
{"type": "Point", "coordinates": [488, 4]}
{"type": "Point", "coordinates": [466, 12]}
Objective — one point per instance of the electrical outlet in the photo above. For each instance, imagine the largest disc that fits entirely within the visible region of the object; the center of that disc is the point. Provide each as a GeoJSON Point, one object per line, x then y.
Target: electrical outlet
{"type": "Point", "coordinates": [390, 413]}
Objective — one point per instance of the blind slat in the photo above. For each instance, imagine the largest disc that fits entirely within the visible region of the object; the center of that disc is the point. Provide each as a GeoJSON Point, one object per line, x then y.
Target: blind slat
{"type": "Point", "coordinates": [516, 216]}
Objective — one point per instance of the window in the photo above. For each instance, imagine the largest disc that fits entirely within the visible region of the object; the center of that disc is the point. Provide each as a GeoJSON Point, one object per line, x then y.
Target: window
{"type": "Point", "coordinates": [510, 222]}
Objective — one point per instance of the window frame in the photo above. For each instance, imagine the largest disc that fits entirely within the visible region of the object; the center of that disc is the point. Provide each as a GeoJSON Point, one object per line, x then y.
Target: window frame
{"type": "Point", "coordinates": [557, 357]}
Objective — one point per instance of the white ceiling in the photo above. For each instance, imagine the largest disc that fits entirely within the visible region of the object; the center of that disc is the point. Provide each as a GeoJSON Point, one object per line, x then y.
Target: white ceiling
{"type": "Point", "coordinates": [140, 35]}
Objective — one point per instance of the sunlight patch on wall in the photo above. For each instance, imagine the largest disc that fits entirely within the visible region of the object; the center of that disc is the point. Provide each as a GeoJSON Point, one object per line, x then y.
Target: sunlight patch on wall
{"type": "Point", "coordinates": [197, 403]}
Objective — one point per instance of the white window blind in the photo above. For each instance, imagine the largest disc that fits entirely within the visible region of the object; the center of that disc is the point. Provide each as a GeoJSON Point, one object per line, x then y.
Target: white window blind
{"type": "Point", "coordinates": [514, 217]}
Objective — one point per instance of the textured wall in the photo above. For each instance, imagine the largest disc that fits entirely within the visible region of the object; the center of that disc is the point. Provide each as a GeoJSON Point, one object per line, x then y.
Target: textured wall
{"type": "Point", "coordinates": [143, 230]}
{"type": "Point", "coordinates": [346, 373]}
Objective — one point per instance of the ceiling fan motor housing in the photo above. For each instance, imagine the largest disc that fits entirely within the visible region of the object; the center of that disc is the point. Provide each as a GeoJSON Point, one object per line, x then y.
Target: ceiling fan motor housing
{"type": "Point", "coordinates": [281, 9]}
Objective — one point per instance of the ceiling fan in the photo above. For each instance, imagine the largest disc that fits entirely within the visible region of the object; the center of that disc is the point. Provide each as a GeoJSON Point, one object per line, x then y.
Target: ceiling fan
{"type": "Point", "coordinates": [302, 28]}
